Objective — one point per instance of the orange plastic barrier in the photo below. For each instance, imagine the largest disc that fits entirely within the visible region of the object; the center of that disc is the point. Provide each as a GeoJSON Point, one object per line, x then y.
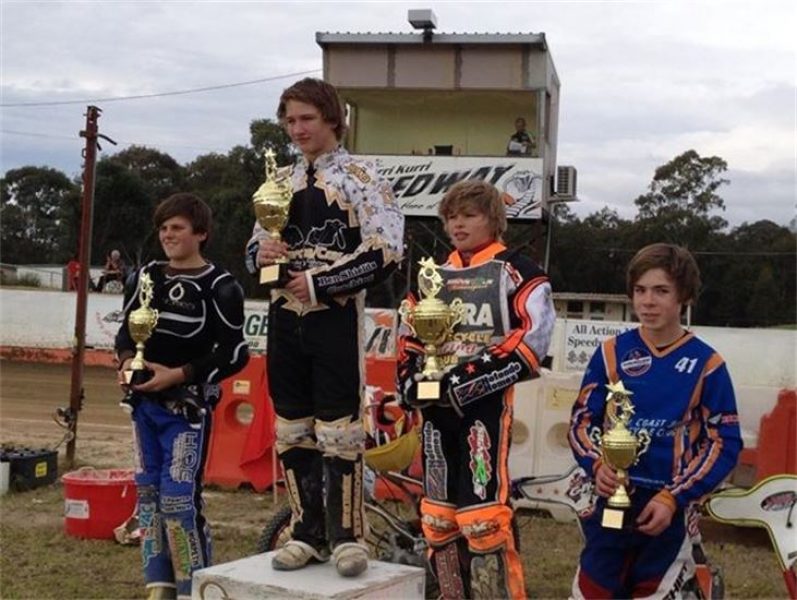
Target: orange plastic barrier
{"type": "Point", "coordinates": [776, 452]}
{"type": "Point", "coordinates": [243, 431]}
{"type": "Point", "coordinates": [243, 427]}
{"type": "Point", "coordinates": [381, 372]}
{"type": "Point", "coordinates": [777, 438]}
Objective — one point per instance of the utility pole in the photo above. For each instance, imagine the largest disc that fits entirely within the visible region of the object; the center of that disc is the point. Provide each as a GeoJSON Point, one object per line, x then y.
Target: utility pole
{"type": "Point", "coordinates": [70, 416]}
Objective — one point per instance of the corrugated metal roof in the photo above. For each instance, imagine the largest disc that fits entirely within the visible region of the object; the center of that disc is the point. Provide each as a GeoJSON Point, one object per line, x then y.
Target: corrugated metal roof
{"type": "Point", "coordinates": [535, 39]}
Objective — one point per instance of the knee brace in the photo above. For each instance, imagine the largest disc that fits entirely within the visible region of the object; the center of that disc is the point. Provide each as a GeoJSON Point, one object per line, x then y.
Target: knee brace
{"type": "Point", "coordinates": [295, 433]}
{"type": "Point", "coordinates": [446, 548]}
{"type": "Point", "coordinates": [341, 438]}
{"type": "Point", "coordinates": [495, 567]}
{"type": "Point", "coordinates": [486, 528]}
{"type": "Point", "coordinates": [439, 522]}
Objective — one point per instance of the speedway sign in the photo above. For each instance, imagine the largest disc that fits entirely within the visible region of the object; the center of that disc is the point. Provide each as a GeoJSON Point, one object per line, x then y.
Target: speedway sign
{"type": "Point", "coordinates": [420, 182]}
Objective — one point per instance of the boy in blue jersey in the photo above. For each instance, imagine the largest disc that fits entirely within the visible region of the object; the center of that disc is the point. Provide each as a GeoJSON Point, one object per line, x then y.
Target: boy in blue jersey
{"type": "Point", "coordinates": [683, 397]}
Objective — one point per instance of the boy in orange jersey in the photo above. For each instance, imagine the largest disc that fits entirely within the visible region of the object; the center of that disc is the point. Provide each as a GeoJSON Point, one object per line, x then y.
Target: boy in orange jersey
{"type": "Point", "coordinates": [502, 340]}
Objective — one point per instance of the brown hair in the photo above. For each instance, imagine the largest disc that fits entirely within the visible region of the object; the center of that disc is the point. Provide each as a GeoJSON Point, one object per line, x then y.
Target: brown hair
{"type": "Point", "coordinates": [676, 261]}
{"type": "Point", "coordinates": [480, 195]}
{"type": "Point", "coordinates": [320, 94]}
{"type": "Point", "coordinates": [190, 206]}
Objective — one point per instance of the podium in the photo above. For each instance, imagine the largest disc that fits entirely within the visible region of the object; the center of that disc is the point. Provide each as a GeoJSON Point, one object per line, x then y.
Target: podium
{"type": "Point", "coordinates": [253, 577]}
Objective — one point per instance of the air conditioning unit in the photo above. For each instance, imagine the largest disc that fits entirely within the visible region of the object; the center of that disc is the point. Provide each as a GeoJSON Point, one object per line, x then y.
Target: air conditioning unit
{"type": "Point", "coordinates": [566, 182]}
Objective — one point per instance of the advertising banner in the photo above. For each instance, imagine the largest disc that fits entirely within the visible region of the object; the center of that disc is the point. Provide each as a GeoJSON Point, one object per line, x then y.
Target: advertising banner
{"type": "Point", "coordinates": [104, 316]}
{"type": "Point", "coordinates": [583, 337]}
{"type": "Point", "coordinates": [420, 182]}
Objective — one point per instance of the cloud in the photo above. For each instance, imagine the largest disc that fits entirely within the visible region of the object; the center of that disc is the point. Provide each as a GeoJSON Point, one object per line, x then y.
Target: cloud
{"type": "Point", "coordinates": [641, 81]}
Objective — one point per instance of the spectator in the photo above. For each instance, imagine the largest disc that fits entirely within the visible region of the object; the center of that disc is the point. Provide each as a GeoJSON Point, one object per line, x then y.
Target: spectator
{"type": "Point", "coordinates": [72, 274]}
{"type": "Point", "coordinates": [114, 270]}
{"type": "Point", "coordinates": [521, 143]}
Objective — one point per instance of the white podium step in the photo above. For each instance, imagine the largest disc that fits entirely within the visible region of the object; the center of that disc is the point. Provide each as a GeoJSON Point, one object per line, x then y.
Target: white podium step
{"type": "Point", "coordinates": [253, 578]}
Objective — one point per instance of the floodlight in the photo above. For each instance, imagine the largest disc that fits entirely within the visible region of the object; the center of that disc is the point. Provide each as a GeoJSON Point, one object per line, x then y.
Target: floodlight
{"type": "Point", "coordinates": [422, 19]}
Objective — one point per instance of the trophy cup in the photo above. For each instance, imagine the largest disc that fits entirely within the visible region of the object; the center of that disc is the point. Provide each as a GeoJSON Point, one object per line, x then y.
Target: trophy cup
{"type": "Point", "coordinates": [140, 323]}
{"type": "Point", "coordinates": [620, 450]}
{"type": "Point", "coordinates": [432, 321]}
{"type": "Point", "coordinates": [272, 201]}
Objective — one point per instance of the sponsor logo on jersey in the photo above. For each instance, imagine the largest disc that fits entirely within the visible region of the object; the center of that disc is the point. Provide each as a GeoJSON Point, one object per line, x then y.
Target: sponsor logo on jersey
{"type": "Point", "coordinates": [636, 362]}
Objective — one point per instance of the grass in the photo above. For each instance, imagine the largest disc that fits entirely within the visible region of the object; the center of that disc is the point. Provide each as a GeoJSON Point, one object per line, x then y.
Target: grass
{"type": "Point", "coordinates": [39, 561]}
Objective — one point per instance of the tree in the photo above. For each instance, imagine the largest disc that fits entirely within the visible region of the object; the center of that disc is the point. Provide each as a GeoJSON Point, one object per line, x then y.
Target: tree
{"type": "Point", "coordinates": [763, 299]}
{"type": "Point", "coordinates": [123, 209]}
{"type": "Point", "coordinates": [682, 195]}
{"type": "Point", "coordinates": [265, 134]}
{"type": "Point", "coordinates": [33, 201]}
{"type": "Point", "coordinates": [226, 183]}
{"type": "Point", "coordinates": [161, 175]}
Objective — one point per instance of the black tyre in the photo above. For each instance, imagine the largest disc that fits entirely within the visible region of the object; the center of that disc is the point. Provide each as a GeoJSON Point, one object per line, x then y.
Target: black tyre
{"type": "Point", "coordinates": [276, 532]}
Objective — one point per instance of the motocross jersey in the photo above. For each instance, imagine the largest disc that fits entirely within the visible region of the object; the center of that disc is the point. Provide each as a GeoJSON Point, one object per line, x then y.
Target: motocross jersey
{"type": "Point", "coordinates": [683, 399]}
{"type": "Point", "coordinates": [344, 230]}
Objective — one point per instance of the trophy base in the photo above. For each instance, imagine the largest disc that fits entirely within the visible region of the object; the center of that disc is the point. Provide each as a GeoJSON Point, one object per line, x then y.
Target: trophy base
{"type": "Point", "coordinates": [613, 518]}
{"type": "Point", "coordinates": [137, 376]}
{"type": "Point", "coordinates": [275, 275]}
{"type": "Point", "coordinates": [428, 390]}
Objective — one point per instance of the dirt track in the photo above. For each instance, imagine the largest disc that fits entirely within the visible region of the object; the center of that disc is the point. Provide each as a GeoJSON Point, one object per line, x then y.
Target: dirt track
{"type": "Point", "coordinates": [30, 394]}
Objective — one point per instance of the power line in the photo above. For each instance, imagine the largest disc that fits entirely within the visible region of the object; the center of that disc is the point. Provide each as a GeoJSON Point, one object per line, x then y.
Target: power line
{"type": "Point", "coordinates": [159, 94]}
{"type": "Point", "coordinates": [126, 142]}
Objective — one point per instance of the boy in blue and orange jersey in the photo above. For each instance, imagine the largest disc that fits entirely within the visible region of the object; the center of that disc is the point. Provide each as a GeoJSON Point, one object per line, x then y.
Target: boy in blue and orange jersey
{"type": "Point", "coordinates": [683, 397]}
{"type": "Point", "coordinates": [504, 337]}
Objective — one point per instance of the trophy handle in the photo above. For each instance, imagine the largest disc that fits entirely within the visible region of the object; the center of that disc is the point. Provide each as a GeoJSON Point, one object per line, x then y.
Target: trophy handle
{"type": "Point", "coordinates": [457, 308]}
{"type": "Point", "coordinates": [643, 440]}
{"type": "Point", "coordinates": [405, 312]}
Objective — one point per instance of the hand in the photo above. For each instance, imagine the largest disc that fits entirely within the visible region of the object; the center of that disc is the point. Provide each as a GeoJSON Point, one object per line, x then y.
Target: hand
{"type": "Point", "coordinates": [298, 286]}
{"type": "Point", "coordinates": [606, 481]}
{"type": "Point", "coordinates": [269, 251]}
{"type": "Point", "coordinates": [654, 518]}
{"type": "Point", "coordinates": [120, 374]}
{"type": "Point", "coordinates": [162, 378]}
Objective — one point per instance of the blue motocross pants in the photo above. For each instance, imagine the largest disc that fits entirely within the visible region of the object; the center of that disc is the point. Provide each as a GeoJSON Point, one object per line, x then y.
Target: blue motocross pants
{"type": "Point", "coordinates": [170, 460]}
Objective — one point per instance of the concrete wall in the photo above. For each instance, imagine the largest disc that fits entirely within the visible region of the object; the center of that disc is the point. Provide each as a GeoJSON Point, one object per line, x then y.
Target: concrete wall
{"type": "Point", "coordinates": [761, 362]}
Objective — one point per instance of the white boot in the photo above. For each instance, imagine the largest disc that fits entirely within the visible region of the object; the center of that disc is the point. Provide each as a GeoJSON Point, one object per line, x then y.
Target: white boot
{"type": "Point", "coordinates": [350, 559]}
{"type": "Point", "coordinates": [295, 555]}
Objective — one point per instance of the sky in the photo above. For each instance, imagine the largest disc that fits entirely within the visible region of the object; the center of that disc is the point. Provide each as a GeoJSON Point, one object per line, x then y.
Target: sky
{"type": "Point", "coordinates": [641, 81]}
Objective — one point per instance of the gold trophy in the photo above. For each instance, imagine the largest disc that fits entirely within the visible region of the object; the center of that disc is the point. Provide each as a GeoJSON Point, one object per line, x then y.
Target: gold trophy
{"type": "Point", "coordinates": [432, 321]}
{"type": "Point", "coordinates": [140, 323]}
{"type": "Point", "coordinates": [620, 450]}
{"type": "Point", "coordinates": [272, 201]}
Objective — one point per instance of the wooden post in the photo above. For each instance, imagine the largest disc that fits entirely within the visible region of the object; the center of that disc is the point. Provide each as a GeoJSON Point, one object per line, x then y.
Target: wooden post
{"type": "Point", "coordinates": [87, 213]}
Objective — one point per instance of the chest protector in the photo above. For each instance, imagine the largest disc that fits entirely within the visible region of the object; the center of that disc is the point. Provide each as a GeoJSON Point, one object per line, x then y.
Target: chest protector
{"type": "Point", "coordinates": [483, 291]}
{"type": "Point", "coordinates": [182, 302]}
